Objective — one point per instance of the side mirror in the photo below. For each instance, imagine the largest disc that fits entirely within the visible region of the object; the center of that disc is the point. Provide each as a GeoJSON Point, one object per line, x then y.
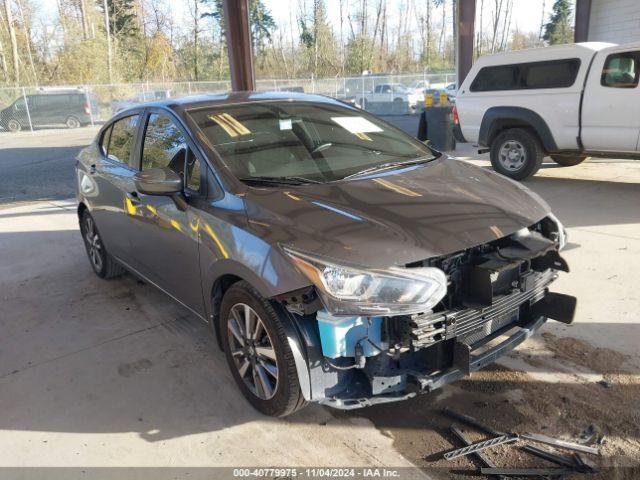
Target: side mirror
{"type": "Point", "coordinates": [158, 181]}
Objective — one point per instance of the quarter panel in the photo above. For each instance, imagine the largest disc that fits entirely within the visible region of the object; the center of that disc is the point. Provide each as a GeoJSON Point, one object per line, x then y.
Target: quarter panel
{"type": "Point", "coordinates": [228, 246]}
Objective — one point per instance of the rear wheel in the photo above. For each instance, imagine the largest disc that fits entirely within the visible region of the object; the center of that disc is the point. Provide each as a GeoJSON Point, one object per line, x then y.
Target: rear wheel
{"type": "Point", "coordinates": [102, 263]}
{"type": "Point", "coordinates": [72, 122]}
{"type": "Point", "coordinates": [516, 153]}
{"type": "Point", "coordinates": [14, 125]}
{"type": "Point", "coordinates": [568, 160]}
{"type": "Point", "coordinates": [258, 352]}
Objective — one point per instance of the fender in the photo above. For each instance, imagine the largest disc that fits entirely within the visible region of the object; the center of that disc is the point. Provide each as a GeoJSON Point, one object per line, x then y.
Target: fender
{"type": "Point", "coordinates": [498, 118]}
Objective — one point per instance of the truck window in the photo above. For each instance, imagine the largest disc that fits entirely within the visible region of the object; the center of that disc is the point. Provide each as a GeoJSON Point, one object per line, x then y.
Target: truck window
{"type": "Point", "coordinates": [621, 70]}
{"type": "Point", "coordinates": [560, 74]}
{"type": "Point", "coordinates": [524, 76]}
{"type": "Point", "coordinates": [491, 79]}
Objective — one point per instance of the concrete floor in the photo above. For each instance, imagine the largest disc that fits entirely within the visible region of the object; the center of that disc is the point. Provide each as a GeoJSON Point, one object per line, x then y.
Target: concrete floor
{"type": "Point", "coordinates": [113, 373]}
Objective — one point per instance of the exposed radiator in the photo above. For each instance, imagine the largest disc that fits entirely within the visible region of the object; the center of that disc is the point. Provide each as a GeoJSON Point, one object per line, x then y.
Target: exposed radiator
{"type": "Point", "coordinates": [472, 324]}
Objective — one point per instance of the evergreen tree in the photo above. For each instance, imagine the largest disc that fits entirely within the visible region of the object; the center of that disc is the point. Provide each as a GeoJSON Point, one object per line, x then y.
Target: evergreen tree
{"type": "Point", "coordinates": [559, 29]}
{"type": "Point", "coordinates": [261, 21]}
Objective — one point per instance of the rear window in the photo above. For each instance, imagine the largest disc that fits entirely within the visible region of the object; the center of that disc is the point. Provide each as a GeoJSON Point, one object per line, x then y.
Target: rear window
{"type": "Point", "coordinates": [525, 76]}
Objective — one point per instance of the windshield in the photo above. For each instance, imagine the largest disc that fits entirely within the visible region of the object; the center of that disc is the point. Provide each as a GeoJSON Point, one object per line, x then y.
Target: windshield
{"type": "Point", "coordinates": [318, 142]}
{"type": "Point", "coordinates": [399, 87]}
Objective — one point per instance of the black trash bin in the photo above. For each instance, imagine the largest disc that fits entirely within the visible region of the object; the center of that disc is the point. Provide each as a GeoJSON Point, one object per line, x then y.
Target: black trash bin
{"type": "Point", "coordinates": [436, 125]}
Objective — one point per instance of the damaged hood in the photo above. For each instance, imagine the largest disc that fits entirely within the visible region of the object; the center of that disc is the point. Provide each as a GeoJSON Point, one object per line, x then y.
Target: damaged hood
{"type": "Point", "coordinates": [396, 217]}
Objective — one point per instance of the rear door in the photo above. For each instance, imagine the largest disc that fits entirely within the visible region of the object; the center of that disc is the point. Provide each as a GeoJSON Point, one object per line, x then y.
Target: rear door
{"type": "Point", "coordinates": [164, 237]}
{"type": "Point", "coordinates": [112, 204]}
{"type": "Point", "coordinates": [610, 118]}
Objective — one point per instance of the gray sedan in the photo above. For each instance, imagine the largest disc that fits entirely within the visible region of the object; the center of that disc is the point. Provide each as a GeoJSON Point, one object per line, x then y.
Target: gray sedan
{"type": "Point", "coordinates": [337, 259]}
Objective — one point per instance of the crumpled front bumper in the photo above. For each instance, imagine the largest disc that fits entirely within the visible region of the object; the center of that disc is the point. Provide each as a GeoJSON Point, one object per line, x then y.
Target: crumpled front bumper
{"type": "Point", "coordinates": [465, 362]}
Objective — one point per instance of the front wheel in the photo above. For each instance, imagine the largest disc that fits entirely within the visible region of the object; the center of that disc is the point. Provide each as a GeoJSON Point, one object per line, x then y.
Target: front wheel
{"type": "Point", "coordinates": [14, 125]}
{"type": "Point", "coordinates": [516, 153]}
{"type": "Point", "coordinates": [258, 352]}
{"type": "Point", "coordinates": [568, 160]}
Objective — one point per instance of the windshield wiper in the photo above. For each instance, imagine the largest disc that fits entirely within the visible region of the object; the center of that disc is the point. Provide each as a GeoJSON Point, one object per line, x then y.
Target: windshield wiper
{"type": "Point", "coordinates": [386, 166]}
{"type": "Point", "coordinates": [280, 180]}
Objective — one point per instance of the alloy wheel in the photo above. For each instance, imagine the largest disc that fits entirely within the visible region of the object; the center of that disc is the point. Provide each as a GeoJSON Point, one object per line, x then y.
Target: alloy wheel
{"type": "Point", "coordinates": [252, 350]}
{"type": "Point", "coordinates": [512, 155]}
{"type": "Point", "coordinates": [94, 245]}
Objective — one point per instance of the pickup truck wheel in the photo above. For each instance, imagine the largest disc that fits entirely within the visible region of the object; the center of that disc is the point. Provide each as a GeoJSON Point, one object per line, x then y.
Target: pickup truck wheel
{"type": "Point", "coordinates": [258, 352]}
{"type": "Point", "coordinates": [568, 160]}
{"type": "Point", "coordinates": [516, 153]}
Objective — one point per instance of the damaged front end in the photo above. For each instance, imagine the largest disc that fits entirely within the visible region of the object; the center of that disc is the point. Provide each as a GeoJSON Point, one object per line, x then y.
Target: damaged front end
{"type": "Point", "coordinates": [367, 341]}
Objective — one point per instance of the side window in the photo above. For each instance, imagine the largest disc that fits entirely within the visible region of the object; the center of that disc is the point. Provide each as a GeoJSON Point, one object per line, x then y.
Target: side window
{"type": "Point", "coordinates": [164, 145]}
{"type": "Point", "coordinates": [621, 70]}
{"type": "Point", "coordinates": [18, 105]}
{"type": "Point", "coordinates": [122, 138]}
{"type": "Point", "coordinates": [104, 141]}
{"type": "Point", "coordinates": [523, 76]}
{"type": "Point", "coordinates": [495, 78]}
{"type": "Point", "coordinates": [192, 169]}
{"type": "Point", "coordinates": [559, 74]}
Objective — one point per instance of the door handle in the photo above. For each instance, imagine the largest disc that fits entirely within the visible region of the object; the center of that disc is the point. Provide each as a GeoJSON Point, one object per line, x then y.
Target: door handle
{"type": "Point", "coordinates": [134, 198]}
{"type": "Point", "coordinates": [92, 169]}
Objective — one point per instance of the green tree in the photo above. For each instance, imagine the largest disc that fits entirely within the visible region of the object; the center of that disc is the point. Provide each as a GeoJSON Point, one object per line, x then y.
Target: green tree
{"type": "Point", "coordinates": [318, 43]}
{"type": "Point", "coordinates": [261, 21]}
{"type": "Point", "coordinates": [123, 21]}
{"type": "Point", "coordinates": [559, 29]}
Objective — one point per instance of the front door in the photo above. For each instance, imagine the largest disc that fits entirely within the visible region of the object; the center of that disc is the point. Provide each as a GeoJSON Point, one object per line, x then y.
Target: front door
{"type": "Point", "coordinates": [165, 236]}
{"type": "Point", "coordinates": [610, 119]}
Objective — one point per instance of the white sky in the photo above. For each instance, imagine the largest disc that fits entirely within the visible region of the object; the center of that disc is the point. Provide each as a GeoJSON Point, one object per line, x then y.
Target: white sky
{"type": "Point", "coordinates": [526, 14]}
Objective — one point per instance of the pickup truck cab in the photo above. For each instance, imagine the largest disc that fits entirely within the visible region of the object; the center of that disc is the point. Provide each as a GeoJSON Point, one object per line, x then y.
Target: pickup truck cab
{"type": "Point", "coordinates": [567, 101]}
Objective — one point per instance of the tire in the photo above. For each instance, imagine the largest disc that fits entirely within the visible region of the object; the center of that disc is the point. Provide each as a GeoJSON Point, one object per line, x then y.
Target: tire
{"type": "Point", "coordinates": [516, 153]}
{"type": "Point", "coordinates": [13, 125]}
{"type": "Point", "coordinates": [102, 263]}
{"type": "Point", "coordinates": [568, 160]}
{"type": "Point", "coordinates": [252, 362]}
{"type": "Point", "coordinates": [72, 122]}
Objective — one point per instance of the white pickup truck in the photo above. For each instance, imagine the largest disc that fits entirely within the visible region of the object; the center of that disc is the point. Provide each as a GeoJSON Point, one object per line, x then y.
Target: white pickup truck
{"type": "Point", "coordinates": [567, 101]}
{"type": "Point", "coordinates": [392, 92]}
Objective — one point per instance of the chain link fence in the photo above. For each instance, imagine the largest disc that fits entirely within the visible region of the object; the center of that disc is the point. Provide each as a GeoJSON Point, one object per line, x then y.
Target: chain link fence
{"type": "Point", "coordinates": [31, 108]}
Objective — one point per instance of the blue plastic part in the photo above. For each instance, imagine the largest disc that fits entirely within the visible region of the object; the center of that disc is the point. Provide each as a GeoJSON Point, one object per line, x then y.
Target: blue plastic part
{"type": "Point", "coordinates": [339, 335]}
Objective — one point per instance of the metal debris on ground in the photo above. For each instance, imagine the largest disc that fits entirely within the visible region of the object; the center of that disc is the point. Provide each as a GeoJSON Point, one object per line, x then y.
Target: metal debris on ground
{"type": "Point", "coordinates": [573, 464]}
{"type": "Point", "coordinates": [536, 437]}
{"type": "Point", "coordinates": [591, 435]}
{"type": "Point", "coordinates": [550, 456]}
{"type": "Point", "coordinates": [484, 460]}
{"type": "Point", "coordinates": [476, 447]}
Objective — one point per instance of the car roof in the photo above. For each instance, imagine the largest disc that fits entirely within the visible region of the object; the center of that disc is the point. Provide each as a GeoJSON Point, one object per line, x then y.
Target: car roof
{"type": "Point", "coordinates": [181, 104]}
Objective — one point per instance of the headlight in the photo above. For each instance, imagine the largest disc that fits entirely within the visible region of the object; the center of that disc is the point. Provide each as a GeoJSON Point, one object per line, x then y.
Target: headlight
{"type": "Point", "coordinates": [562, 233]}
{"type": "Point", "coordinates": [348, 290]}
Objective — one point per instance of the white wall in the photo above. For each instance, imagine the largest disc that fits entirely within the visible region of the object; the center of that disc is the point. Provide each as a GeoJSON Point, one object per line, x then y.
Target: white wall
{"type": "Point", "coordinates": [616, 21]}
